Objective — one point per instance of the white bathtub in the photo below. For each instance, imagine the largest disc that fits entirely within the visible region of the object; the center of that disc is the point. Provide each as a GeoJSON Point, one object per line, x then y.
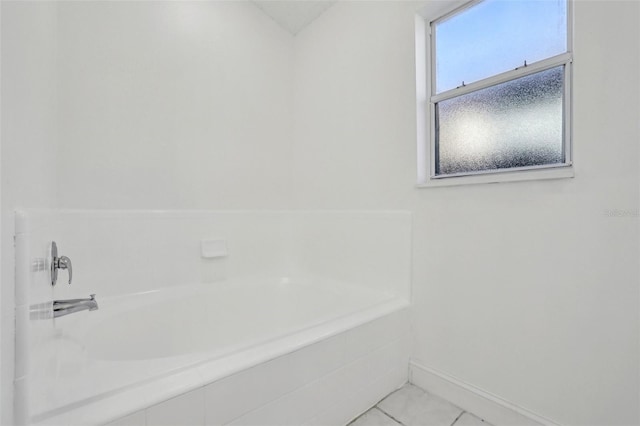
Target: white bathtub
{"type": "Point", "coordinates": [140, 350]}
{"type": "Point", "coordinates": [242, 346]}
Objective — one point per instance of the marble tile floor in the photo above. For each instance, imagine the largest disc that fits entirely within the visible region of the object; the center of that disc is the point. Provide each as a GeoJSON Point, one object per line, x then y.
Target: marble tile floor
{"type": "Point", "coordinates": [412, 406]}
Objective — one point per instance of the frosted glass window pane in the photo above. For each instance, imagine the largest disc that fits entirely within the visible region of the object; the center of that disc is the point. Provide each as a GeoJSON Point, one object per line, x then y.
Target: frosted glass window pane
{"type": "Point", "coordinates": [497, 36]}
{"type": "Point", "coordinates": [514, 124]}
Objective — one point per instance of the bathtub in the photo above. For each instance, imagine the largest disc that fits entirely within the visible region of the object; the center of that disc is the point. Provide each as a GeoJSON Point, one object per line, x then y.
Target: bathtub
{"type": "Point", "coordinates": [243, 344]}
{"type": "Point", "coordinates": [143, 349]}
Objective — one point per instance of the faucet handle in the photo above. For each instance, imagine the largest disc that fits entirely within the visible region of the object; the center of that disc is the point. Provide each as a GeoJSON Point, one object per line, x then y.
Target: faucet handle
{"type": "Point", "coordinates": [65, 263]}
{"type": "Point", "coordinates": [62, 262]}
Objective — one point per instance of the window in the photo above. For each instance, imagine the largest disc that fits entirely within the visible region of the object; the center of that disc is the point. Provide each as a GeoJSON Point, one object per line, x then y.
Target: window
{"type": "Point", "coordinates": [498, 95]}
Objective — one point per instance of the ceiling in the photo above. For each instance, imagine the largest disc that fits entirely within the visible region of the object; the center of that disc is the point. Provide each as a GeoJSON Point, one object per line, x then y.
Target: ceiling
{"type": "Point", "coordinates": [294, 15]}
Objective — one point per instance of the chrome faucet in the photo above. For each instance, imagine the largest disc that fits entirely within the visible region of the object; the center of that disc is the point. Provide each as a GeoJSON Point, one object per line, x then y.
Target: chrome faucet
{"type": "Point", "coordinates": [66, 307]}
{"type": "Point", "coordinates": [62, 262]}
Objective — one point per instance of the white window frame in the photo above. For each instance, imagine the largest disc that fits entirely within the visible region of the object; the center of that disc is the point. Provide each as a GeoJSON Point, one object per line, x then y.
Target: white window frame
{"type": "Point", "coordinates": [427, 99]}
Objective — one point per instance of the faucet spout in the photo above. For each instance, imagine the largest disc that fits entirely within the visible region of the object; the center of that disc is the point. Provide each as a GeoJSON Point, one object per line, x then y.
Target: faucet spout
{"type": "Point", "coordinates": [69, 306]}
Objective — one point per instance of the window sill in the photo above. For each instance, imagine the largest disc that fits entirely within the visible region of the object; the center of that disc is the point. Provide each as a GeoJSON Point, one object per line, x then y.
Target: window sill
{"type": "Point", "coordinates": [513, 176]}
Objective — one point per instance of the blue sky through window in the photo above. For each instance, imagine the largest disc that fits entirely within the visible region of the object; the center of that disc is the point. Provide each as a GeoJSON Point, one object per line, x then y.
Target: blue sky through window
{"type": "Point", "coordinates": [495, 36]}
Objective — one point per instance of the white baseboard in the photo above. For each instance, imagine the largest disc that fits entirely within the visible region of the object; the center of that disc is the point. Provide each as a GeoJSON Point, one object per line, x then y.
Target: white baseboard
{"type": "Point", "coordinates": [485, 405]}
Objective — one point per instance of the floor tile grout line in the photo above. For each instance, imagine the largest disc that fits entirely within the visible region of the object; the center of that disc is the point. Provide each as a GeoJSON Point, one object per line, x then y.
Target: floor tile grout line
{"type": "Point", "coordinates": [398, 422]}
{"type": "Point", "coordinates": [376, 406]}
{"type": "Point", "coordinates": [390, 416]}
{"type": "Point", "coordinates": [458, 418]}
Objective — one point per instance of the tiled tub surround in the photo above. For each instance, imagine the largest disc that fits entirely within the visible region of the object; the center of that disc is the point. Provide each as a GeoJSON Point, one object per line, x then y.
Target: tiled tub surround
{"type": "Point", "coordinates": [304, 321]}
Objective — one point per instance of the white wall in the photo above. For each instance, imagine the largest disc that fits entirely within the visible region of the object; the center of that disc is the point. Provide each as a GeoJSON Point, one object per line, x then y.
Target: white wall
{"type": "Point", "coordinates": [173, 105]}
{"type": "Point", "coordinates": [526, 290]}
{"type": "Point", "coordinates": [28, 144]}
